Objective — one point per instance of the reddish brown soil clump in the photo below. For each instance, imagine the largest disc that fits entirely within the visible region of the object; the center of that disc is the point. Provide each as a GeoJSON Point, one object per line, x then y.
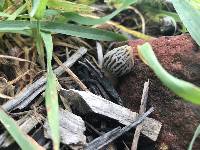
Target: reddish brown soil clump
{"type": "Point", "coordinates": [178, 54]}
{"type": "Point", "coordinates": [181, 57]}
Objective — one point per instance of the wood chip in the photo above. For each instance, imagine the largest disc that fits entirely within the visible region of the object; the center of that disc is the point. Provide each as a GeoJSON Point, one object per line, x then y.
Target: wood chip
{"type": "Point", "coordinates": [108, 137]}
{"type": "Point", "coordinates": [72, 129]}
{"type": "Point", "coordinates": [86, 102]}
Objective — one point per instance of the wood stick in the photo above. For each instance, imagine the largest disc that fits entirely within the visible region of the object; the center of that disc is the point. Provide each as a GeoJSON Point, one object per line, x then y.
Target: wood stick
{"type": "Point", "coordinates": [108, 137]}
{"type": "Point", "coordinates": [74, 77]}
{"type": "Point", "coordinates": [39, 84]}
{"type": "Point", "coordinates": [72, 128]}
{"type": "Point", "coordinates": [142, 110]}
{"type": "Point", "coordinates": [86, 102]}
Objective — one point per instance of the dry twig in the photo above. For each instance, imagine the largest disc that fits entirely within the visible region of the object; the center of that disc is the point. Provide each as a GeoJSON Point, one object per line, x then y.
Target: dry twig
{"type": "Point", "coordinates": [108, 137]}
{"type": "Point", "coordinates": [142, 110]}
{"type": "Point", "coordinates": [74, 77]}
{"type": "Point", "coordinates": [16, 58]}
{"type": "Point", "coordinates": [89, 102]}
{"type": "Point", "coordinates": [31, 91]}
{"type": "Point", "coordinates": [141, 17]}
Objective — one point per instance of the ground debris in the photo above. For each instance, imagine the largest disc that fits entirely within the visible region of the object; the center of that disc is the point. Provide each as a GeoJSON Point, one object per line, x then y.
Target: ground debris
{"type": "Point", "coordinates": [26, 123]}
{"type": "Point", "coordinates": [108, 137]}
{"type": "Point", "coordinates": [31, 91]}
{"type": "Point", "coordinates": [86, 102]}
{"type": "Point", "coordinates": [180, 56]}
{"type": "Point", "coordinates": [97, 82]}
{"type": "Point", "coordinates": [72, 129]}
{"type": "Point", "coordinates": [141, 111]}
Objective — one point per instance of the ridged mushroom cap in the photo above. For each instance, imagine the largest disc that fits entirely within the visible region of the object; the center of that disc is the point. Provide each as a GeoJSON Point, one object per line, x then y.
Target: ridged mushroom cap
{"type": "Point", "coordinates": [119, 61]}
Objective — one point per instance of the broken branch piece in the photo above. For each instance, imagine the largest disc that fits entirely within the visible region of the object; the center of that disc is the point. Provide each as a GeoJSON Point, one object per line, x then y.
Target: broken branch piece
{"type": "Point", "coordinates": [108, 137]}
{"type": "Point", "coordinates": [31, 91]}
{"type": "Point", "coordinates": [86, 102]}
{"type": "Point", "coordinates": [72, 129]}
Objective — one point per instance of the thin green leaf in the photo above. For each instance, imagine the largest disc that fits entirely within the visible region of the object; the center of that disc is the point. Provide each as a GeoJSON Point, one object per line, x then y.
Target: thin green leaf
{"type": "Point", "coordinates": [51, 95]}
{"type": "Point", "coordinates": [91, 21]}
{"type": "Point", "coordinates": [68, 29]}
{"type": "Point", "coordinates": [2, 3]}
{"type": "Point", "coordinates": [24, 32]}
{"type": "Point", "coordinates": [81, 31]}
{"type": "Point", "coordinates": [189, 16]}
{"type": "Point", "coordinates": [17, 12]}
{"type": "Point", "coordinates": [35, 5]}
{"type": "Point", "coordinates": [23, 140]}
{"type": "Point", "coordinates": [69, 6]}
{"type": "Point", "coordinates": [21, 27]}
{"type": "Point", "coordinates": [12, 26]}
{"type": "Point", "coordinates": [86, 2]}
{"type": "Point", "coordinates": [195, 3]}
{"type": "Point", "coordinates": [39, 6]}
{"type": "Point", "coordinates": [28, 6]}
{"type": "Point", "coordinates": [50, 13]}
{"type": "Point", "coordinates": [196, 134]}
{"type": "Point", "coordinates": [2, 14]}
{"type": "Point", "coordinates": [182, 88]}
{"type": "Point", "coordinates": [114, 3]}
{"type": "Point", "coordinates": [39, 44]}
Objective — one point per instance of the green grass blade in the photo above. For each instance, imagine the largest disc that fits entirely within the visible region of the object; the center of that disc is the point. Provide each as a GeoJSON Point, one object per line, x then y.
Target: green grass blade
{"type": "Point", "coordinates": [2, 14]}
{"type": "Point", "coordinates": [11, 26]}
{"type": "Point", "coordinates": [82, 31]}
{"type": "Point", "coordinates": [51, 12]}
{"type": "Point", "coordinates": [189, 16]}
{"type": "Point", "coordinates": [2, 3]}
{"type": "Point", "coordinates": [23, 140]}
{"type": "Point", "coordinates": [39, 44]}
{"type": "Point", "coordinates": [196, 134]}
{"type": "Point", "coordinates": [17, 12]}
{"type": "Point", "coordinates": [69, 6]}
{"type": "Point", "coordinates": [24, 32]}
{"type": "Point", "coordinates": [39, 6]}
{"type": "Point", "coordinates": [68, 29]}
{"type": "Point", "coordinates": [184, 89]}
{"type": "Point", "coordinates": [35, 5]}
{"type": "Point", "coordinates": [91, 21]}
{"type": "Point", "coordinates": [51, 95]}
{"type": "Point", "coordinates": [195, 4]}
{"type": "Point", "coordinates": [21, 27]}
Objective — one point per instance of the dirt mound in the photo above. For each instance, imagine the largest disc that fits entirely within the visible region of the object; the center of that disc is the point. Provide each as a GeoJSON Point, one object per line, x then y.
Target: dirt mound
{"type": "Point", "coordinates": [181, 57]}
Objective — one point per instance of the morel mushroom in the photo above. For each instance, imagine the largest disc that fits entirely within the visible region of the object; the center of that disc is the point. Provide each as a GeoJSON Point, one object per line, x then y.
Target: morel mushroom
{"type": "Point", "coordinates": [177, 54]}
{"type": "Point", "coordinates": [119, 61]}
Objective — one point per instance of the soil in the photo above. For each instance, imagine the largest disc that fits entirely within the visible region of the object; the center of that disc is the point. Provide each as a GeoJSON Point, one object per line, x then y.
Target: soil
{"type": "Point", "coordinates": [180, 56]}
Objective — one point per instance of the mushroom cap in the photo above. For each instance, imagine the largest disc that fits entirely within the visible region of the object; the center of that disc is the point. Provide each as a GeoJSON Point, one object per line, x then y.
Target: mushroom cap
{"type": "Point", "coordinates": [119, 61]}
